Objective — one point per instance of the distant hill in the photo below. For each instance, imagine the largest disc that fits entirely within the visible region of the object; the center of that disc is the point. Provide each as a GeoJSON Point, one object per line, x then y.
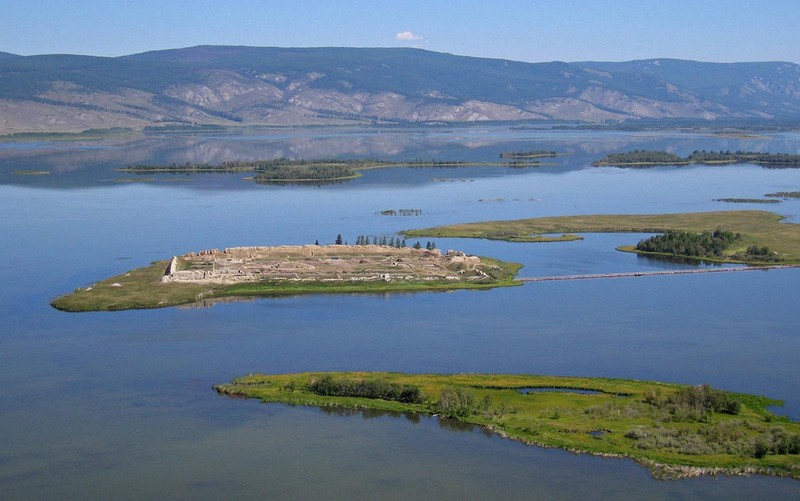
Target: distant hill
{"type": "Point", "coordinates": [283, 86]}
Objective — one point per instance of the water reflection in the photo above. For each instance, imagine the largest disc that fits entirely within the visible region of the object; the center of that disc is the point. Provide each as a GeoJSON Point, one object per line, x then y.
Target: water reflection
{"type": "Point", "coordinates": [411, 417]}
{"type": "Point", "coordinates": [85, 163]}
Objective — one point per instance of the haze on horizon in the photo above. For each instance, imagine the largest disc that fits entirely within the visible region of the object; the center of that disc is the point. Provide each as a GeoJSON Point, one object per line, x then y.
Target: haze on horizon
{"type": "Point", "coordinates": [593, 30]}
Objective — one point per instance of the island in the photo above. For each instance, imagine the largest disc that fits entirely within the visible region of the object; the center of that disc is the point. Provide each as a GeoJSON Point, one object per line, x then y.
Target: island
{"type": "Point", "coordinates": [284, 170]}
{"type": "Point", "coordinates": [289, 270]}
{"type": "Point", "coordinates": [644, 158]}
{"type": "Point", "coordinates": [529, 154]}
{"type": "Point", "coordinates": [784, 194]}
{"type": "Point", "coordinates": [674, 430]}
{"type": "Point", "coordinates": [751, 237]}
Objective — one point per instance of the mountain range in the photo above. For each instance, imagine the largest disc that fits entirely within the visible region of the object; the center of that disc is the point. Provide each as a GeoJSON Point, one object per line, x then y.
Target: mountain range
{"type": "Point", "coordinates": [232, 85]}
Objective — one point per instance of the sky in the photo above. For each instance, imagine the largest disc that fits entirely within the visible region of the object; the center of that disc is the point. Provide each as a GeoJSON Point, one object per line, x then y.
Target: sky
{"type": "Point", "coordinates": [531, 31]}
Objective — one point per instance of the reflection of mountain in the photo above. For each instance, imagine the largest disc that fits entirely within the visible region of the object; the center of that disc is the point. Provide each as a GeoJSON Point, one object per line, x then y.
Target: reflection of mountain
{"type": "Point", "coordinates": [92, 162]}
{"type": "Point", "coordinates": [280, 86]}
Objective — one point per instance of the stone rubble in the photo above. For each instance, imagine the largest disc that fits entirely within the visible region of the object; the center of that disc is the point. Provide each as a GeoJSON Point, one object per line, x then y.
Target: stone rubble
{"type": "Point", "coordinates": [321, 263]}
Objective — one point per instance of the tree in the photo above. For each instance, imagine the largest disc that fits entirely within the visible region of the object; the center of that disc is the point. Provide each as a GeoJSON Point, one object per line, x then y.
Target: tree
{"type": "Point", "coordinates": [339, 239]}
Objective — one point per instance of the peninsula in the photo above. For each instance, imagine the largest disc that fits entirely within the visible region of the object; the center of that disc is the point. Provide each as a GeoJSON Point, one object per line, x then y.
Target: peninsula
{"type": "Point", "coordinates": [287, 270]}
{"type": "Point", "coordinates": [674, 430]}
{"type": "Point", "coordinates": [750, 237]}
{"type": "Point", "coordinates": [643, 158]}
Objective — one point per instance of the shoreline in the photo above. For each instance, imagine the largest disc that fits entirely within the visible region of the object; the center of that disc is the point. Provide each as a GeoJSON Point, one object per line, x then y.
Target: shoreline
{"type": "Point", "coordinates": [563, 420]}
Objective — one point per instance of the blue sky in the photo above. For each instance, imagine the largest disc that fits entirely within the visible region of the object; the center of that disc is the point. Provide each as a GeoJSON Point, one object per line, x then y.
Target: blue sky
{"type": "Point", "coordinates": [618, 30]}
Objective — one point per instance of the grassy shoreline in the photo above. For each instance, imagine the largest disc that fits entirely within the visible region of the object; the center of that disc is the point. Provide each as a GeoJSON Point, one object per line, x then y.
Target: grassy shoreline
{"type": "Point", "coordinates": [756, 227]}
{"type": "Point", "coordinates": [616, 417]}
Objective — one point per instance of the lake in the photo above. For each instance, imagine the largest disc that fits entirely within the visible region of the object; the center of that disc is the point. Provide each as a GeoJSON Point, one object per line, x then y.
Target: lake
{"type": "Point", "coordinates": [119, 404]}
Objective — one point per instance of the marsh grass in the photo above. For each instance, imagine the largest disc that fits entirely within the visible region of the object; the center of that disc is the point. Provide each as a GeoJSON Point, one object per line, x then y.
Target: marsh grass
{"type": "Point", "coordinates": [600, 423]}
{"type": "Point", "coordinates": [136, 289]}
{"type": "Point", "coordinates": [760, 228]}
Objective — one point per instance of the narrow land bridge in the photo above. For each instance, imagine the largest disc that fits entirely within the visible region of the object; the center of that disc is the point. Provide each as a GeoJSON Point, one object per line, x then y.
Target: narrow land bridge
{"type": "Point", "coordinates": [653, 273]}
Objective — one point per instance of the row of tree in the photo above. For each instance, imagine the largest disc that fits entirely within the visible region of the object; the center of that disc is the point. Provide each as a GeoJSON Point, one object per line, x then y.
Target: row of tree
{"type": "Point", "coordinates": [757, 157]}
{"type": "Point", "coordinates": [528, 154]}
{"type": "Point", "coordinates": [644, 157]}
{"type": "Point", "coordinates": [385, 241]}
{"type": "Point", "coordinates": [640, 157]}
{"type": "Point", "coordinates": [401, 212]}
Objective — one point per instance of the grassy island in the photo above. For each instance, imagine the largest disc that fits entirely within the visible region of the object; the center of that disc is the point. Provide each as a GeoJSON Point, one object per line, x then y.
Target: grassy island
{"type": "Point", "coordinates": [756, 231]}
{"type": "Point", "coordinates": [643, 158]}
{"type": "Point", "coordinates": [674, 430]}
{"type": "Point", "coordinates": [528, 154]}
{"type": "Point", "coordinates": [285, 170]}
{"type": "Point", "coordinates": [289, 270]}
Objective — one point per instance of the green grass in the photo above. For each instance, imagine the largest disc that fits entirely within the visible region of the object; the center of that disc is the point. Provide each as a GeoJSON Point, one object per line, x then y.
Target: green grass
{"type": "Point", "coordinates": [620, 411]}
{"type": "Point", "coordinates": [757, 228]}
{"type": "Point", "coordinates": [142, 289]}
{"type": "Point", "coordinates": [137, 289]}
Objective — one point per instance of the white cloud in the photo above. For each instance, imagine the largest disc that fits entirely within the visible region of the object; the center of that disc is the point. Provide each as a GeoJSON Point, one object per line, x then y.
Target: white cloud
{"type": "Point", "coordinates": [407, 36]}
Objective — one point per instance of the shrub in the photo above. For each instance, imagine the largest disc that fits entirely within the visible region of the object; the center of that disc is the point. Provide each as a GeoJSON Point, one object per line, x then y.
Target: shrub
{"type": "Point", "coordinates": [365, 388]}
{"type": "Point", "coordinates": [456, 402]}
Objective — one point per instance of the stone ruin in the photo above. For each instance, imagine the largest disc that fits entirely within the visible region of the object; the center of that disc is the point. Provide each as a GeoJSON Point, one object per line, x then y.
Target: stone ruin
{"type": "Point", "coordinates": [321, 263]}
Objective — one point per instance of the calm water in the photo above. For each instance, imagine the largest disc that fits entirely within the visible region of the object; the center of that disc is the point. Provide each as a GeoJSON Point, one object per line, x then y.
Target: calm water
{"type": "Point", "coordinates": [119, 404]}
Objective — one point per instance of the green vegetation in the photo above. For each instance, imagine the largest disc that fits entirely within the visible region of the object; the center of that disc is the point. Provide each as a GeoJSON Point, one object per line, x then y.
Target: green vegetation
{"type": "Point", "coordinates": [685, 243]}
{"type": "Point", "coordinates": [284, 170]}
{"type": "Point", "coordinates": [399, 243]}
{"type": "Point", "coordinates": [401, 212]}
{"type": "Point", "coordinates": [365, 388]}
{"type": "Point", "coordinates": [528, 154]}
{"type": "Point", "coordinates": [675, 430]}
{"type": "Point", "coordinates": [642, 158]}
{"type": "Point", "coordinates": [309, 172]}
{"type": "Point", "coordinates": [703, 245]}
{"type": "Point", "coordinates": [265, 171]}
{"type": "Point", "coordinates": [784, 194]}
{"type": "Point", "coordinates": [136, 289]}
{"type": "Point", "coordinates": [757, 228]}
{"type": "Point", "coordinates": [747, 200]}
{"type": "Point", "coordinates": [65, 136]}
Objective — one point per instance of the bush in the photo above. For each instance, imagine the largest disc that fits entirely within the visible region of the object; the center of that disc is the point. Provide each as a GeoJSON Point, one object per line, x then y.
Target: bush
{"type": "Point", "coordinates": [365, 388]}
{"type": "Point", "coordinates": [694, 403]}
{"type": "Point", "coordinates": [456, 402]}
